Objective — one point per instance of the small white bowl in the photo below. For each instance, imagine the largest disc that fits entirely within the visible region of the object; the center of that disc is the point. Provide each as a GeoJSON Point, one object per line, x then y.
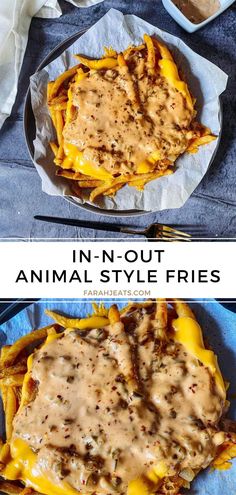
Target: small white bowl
{"type": "Point", "coordinates": [183, 21]}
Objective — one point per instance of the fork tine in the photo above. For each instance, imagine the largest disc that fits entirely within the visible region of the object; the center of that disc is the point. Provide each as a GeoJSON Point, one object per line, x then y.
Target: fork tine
{"type": "Point", "coordinates": [169, 234]}
{"type": "Point", "coordinates": [174, 237]}
{"type": "Point", "coordinates": [173, 231]}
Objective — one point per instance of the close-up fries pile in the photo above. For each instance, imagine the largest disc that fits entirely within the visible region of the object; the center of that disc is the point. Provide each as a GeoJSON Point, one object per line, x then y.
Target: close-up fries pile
{"type": "Point", "coordinates": [18, 389]}
{"type": "Point", "coordinates": [138, 71]}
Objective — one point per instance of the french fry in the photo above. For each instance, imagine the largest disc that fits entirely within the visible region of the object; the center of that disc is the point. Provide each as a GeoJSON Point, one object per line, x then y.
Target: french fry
{"type": "Point", "coordinates": [60, 80]}
{"type": "Point", "coordinates": [78, 323]}
{"type": "Point", "coordinates": [227, 452]}
{"type": "Point", "coordinates": [103, 63]}
{"type": "Point", "coordinates": [54, 147]}
{"type": "Point", "coordinates": [200, 141]}
{"type": "Point", "coordinates": [13, 488]}
{"type": "Point", "coordinates": [4, 350]}
{"type": "Point", "coordinates": [59, 126]}
{"type": "Point", "coordinates": [4, 454]}
{"type": "Point", "coordinates": [121, 60]}
{"type": "Point", "coordinates": [109, 52]}
{"type": "Point", "coordinates": [89, 183]}
{"type": "Point", "coordinates": [60, 106]}
{"type": "Point", "coordinates": [132, 49]}
{"type": "Point", "coordinates": [113, 190]}
{"type": "Point", "coordinates": [11, 408]}
{"type": "Point", "coordinates": [17, 368]}
{"type": "Point", "coordinates": [70, 174]}
{"type": "Point", "coordinates": [132, 180]}
{"type": "Point", "coordinates": [161, 317]}
{"type": "Point", "coordinates": [151, 57]}
{"type": "Point", "coordinates": [113, 314]}
{"type": "Point", "coordinates": [3, 390]}
{"type": "Point", "coordinates": [31, 338]}
{"type": "Point", "coordinates": [182, 309]}
{"type": "Point", "coordinates": [62, 98]}
{"type": "Point", "coordinates": [12, 380]}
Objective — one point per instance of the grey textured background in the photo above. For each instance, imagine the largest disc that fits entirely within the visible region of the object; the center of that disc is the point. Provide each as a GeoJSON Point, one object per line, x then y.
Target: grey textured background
{"type": "Point", "coordinates": [213, 202]}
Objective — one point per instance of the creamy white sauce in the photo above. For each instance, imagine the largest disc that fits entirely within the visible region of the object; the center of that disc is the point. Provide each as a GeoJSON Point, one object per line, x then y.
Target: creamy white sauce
{"type": "Point", "coordinates": [112, 403]}
{"type": "Point", "coordinates": [120, 117]}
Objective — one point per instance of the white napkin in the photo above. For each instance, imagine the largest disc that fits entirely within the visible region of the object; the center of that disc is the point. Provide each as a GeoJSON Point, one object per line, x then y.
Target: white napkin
{"type": "Point", "coordinates": [15, 18]}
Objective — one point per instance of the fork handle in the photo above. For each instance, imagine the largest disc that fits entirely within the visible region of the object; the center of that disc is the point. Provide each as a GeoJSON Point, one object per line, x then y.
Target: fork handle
{"type": "Point", "coordinates": [127, 230]}
{"type": "Point", "coordinates": [109, 227]}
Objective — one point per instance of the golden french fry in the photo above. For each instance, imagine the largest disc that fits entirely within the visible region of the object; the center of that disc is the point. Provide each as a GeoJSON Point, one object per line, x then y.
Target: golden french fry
{"type": "Point", "coordinates": [18, 392]}
{"type": "Point", "coordinates": [113, 190]}
{"type": "Point", "coordinates": [89, 183]}
{"type": "Point", "coordinates": [103, 63]}
{"type": "Point", "coordinates": [131, 49]}
{"type": "Point", "coordinates": [60, 106]}
{"type": "Point", "coordinates": [70, 174]}
{"type": "Point", "coordinates": [60, 154]}
{"type": "Point", "coordinates": [161, 318]}
{"type": "Point", "coordinates": [4, 454]}
{"type": "Point", "coordinates": [54, 147]}
{"type": "Point", "coordinates": [3, 390]}
{"type": "Point", "coordinates": [200, 141]}
{"type": "Point", "coordinates": [100, 190]}
{"type": "Point", "coordinates": [109, 52]}
{"type": "Point", "coordinates": [113, 314]}
{"type": "Point", "coordinates": [4, 350]}
{"type": "Point", "coordinates": [12, 380]}
{"type": "Point", "coordinates": [182, 309]}
{"type": "Point", "coordinates": [100, 309]}
{"type": "Point", "coordinates": [228, 452]}
{"type": "Point", "coordinates": [62, 98]}
{"type": "Point", "coordinates": [121, 60]}
{"type": "Point", "coordinates": [161, 313]}
{"type": "Point", "coordinates": [60, 80]}
{"type": "Point", "coordinates": [59, 126]}
{"type": "Point", "coordinates": [78, 323]}
{"type": "Point", "coordinates": [22, 343]}
{"type": "Point", "coordinates": [11, 408]}
{"type": "Point", "coordinates": [17, 368]}
{"type": "Point", "coordinates": [151, 57]}
{"type": "Point", "coordinates": [13, 488]}
{"type": "Point", "coordinates": [53, 115]}
{"type": "Point", "coordinates": [49, 90]}
{"type": "Point", "coordinates": [163, 50]}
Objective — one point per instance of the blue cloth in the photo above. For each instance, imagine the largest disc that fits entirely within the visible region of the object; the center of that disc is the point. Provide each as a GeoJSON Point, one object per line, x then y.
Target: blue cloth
{"type": "Point", "coordinates": [219, 327]}
{"type": "Point", "coordinates": [213, 203]}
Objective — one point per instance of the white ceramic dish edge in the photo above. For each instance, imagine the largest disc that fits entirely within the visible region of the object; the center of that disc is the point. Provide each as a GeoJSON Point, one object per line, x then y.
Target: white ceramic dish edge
{"type": "Point", "coordinates": [184, 22]}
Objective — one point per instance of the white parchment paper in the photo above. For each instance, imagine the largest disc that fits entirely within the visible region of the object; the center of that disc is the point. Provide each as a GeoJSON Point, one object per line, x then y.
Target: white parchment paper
{"type": "Point", "coordinates": [206, 82]}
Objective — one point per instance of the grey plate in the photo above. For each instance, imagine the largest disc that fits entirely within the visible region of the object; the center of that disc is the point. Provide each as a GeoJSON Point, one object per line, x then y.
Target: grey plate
{"type": "Point", "coordinates": [30, 132]}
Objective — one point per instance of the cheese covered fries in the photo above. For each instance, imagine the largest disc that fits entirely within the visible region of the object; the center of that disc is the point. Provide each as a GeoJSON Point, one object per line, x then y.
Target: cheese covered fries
{"type": "Point", "coordinates": [119, 402]}
{"type": "Point", "coordinates": [122, 119]}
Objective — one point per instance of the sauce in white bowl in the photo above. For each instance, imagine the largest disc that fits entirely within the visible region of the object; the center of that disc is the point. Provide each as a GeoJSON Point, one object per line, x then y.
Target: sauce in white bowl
{"type": "Point", "coordinates": [197, 10]}
{"type": "Point", "coordinates": [194, 14]}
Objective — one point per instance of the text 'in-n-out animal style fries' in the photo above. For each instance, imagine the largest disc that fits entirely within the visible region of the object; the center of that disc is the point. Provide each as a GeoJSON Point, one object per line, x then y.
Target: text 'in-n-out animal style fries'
{"type": "Point", "coordinates": [122, 119]}
{"type": "Point", "coordinates": [127, 401]}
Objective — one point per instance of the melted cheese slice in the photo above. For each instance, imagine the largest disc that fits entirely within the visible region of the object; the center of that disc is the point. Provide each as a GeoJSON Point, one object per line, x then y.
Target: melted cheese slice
{"type": "Point", "coordinates": [75, 160]}
{"type": "Point", "coordinates": [24, 466]}
{"type": "Point", "coordinates": [188, 333]}
{"type": "Point", "coordinates": [169, 71]}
